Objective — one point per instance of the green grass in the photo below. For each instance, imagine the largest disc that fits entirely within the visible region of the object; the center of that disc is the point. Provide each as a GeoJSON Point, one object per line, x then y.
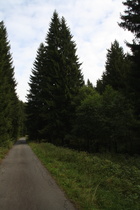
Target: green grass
{"type": "Point", "coordinates": [3, 152]}
{"type": "Point", "coordinates": [4, 149]}
{"type": "Point", "coordinates": [92, 182]}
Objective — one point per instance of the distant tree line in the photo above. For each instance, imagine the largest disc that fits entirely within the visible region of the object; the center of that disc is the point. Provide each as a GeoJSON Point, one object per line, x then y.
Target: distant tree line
{"type": "Point", "coordinates": [11, 109]}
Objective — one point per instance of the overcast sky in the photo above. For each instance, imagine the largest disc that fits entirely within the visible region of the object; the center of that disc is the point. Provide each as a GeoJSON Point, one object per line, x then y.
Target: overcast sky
{"type": "Point", "coordinates": [93, 24]}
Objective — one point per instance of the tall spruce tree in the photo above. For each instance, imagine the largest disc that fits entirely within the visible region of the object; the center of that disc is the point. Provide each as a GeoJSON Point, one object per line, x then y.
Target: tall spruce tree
{"type": "Point", "coordinates": [60, 82]}
{"type": "Point", "coordinates": [131, 18]}
{"type": "Point", "coordinates": [8, 97]}
{"type": "Point", "coordinates": [64, 71]}
{"type": "Point", "coordinates": [53, 86]}
{"type": "Point", "coordinates": [117, 68]}
{"type": "Point", "coordinates": [35, 95]}
{"type": "Point", "coordinates": [131, 22]}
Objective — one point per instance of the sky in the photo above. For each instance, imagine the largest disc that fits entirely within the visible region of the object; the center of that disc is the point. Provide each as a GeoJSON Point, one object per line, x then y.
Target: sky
{"type": "Point", "coordinates": [93, 24]}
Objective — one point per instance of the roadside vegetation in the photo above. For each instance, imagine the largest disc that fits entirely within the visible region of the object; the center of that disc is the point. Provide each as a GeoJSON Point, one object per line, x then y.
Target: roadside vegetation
{"type": "Point", "coordinates": [93, 181]}
{"type": "Point", "coordinates": [3, 152]}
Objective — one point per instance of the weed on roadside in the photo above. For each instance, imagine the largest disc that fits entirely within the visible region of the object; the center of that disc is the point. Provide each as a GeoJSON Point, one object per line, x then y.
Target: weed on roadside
{"type": "Point", "coordinates": [93, 181]}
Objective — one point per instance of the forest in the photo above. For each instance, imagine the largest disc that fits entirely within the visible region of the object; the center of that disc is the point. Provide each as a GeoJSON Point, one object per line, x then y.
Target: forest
{"type": "Point", "coordinates": [61, 107]}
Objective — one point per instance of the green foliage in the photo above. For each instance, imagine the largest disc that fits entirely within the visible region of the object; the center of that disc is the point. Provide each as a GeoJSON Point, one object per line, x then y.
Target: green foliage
{"type": "Point", "coordinates": [131, 22]}
{"type": "Point", "coordinates": [3, 152]}
{"type": "Point", "coordinates": [55, 81]}
{"type": "Point", "coordinates": [121, 110]}
{"type": "Point", "coordinates": [103, 122]}
{"type": "Point", "coordinates": [8, 97]}
{"type": "Point", "coordinates": [64, 111]}
{"type": "Point", "coordinates": [22, 119]}
{"type": "Point", "coordinates": [36, 94]}
{"type": "Point", "coordinates": [117, 69]}
{"type": "Point", "coordinates": [87, 124]}
{"type": "Point", "coordinates": [99, 181]}
{"type": "Point", "coordinates": [117, 120]}
{"type": "Point", "coordinates": [131, 18]}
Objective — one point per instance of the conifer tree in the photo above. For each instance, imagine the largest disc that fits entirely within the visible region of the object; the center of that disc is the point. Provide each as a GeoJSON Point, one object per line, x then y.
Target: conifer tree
{"type": "Point", "coordinates": [60, 82]}
{"type": "Point", "coordinates": [22, 118]}
{"type": "Point", "coordinates": [8, 97]}
{"type": "Point", "coordinates": [131, 22]}
{"type": "Point", "coordinates": [89, 84]}
{"type": "Point", "coordinates": [64, 70]}
{"type": "Point", "coordinates": [131, 18]}
{"type": "Point", "coordinates": [35, 95]}
{"type": "Point", "coordinates": [116, 70]}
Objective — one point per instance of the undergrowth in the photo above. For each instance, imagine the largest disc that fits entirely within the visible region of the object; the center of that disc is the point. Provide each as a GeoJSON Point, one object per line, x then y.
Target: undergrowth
{"type": "Point", "coordinates": [4, 149]}
{"type": "Point", "coordinates": [94, 181]}
{"type": "Point", "coordinates": [3, 152]}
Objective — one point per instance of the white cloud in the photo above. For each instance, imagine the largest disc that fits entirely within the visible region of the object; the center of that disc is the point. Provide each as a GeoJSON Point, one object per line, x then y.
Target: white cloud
{"type": "Point", "coordinates": [93, 24]}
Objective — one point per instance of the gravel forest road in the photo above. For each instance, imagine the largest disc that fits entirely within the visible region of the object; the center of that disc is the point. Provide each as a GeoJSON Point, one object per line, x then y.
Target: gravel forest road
{"type": "Point", "coordinates": [26, 185]}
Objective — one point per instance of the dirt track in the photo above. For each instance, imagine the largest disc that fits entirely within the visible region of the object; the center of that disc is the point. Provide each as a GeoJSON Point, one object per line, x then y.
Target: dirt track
{"type": "Point", "coordinates": [26, 185]}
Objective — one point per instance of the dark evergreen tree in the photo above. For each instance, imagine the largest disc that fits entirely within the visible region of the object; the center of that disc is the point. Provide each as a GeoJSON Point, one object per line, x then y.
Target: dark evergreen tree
{"type": "Point", "coordinates": [35, 95]}
{"type": "Point", "coordinates": [53, 87]}
{"type": "Point", "coordinates": [131, 22]}
{"type": "Point", "coordinates": [89, 84]}
{"type": "Point", "coordinates": [58, 84]}
{"type": "Point", "coordinates": [8, 97]}
{"type": "Point", "coordinates": [117, 68]}
{"type": "Point", "coordinates": [64, 70]}
{"type": "Point", "coordinates": [100, 85]}
{"type": "Point", "coordinates": [22, 119]}
{"type": "Point", "coordinates": [131, 18]}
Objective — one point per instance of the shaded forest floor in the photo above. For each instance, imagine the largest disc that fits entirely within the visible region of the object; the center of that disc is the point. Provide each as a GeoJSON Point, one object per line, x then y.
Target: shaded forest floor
{"type": "Point", "coordinates": [93, 181]}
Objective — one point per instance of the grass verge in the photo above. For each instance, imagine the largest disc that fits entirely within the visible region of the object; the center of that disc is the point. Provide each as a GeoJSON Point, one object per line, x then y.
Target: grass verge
{"type": "Point", "coordinates": [4, 149]}
{"type": "Point", "coordinates": [3, 152]}
{"type": "Point", "coordinates": [92, 182]}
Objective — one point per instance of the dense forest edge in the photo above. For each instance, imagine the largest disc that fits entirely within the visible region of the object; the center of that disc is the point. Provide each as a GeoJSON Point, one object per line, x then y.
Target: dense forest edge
{"type": "Point", "coordinates": [88, 137]}
{"type": "Point", "coordinates": [12, 110]}
{"type": "Point", "coordinates": [64, 110]}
